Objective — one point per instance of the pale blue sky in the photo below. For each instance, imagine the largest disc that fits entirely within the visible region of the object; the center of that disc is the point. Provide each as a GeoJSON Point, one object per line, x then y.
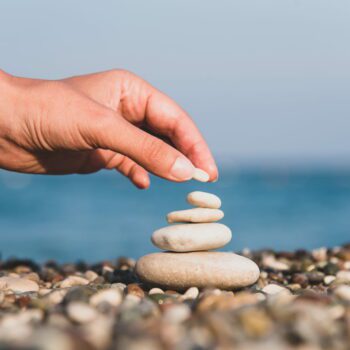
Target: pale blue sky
{"type": "Point", "coordinates": [265, 80]}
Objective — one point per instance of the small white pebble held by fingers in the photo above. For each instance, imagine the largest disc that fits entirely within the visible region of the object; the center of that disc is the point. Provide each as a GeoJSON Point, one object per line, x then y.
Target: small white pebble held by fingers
{"type": "Point", "coordinates": [200, 175]}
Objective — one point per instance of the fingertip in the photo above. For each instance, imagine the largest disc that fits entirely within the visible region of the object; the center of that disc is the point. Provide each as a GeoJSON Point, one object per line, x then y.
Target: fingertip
{"type": "Point", "coordinates": [213, 173]}
{"type": "Point", "coordinates": [141, 180]}
{"type": "Point", "coordinates": [211, 169]}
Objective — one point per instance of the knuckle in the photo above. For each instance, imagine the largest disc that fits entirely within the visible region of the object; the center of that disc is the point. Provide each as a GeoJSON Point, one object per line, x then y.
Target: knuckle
{"type": "Point", "coordinates": [98, 127]}
{"type": "Point", "coordinates": [126, 73]}
{"type": "Point", "coordinates": [122, 74]}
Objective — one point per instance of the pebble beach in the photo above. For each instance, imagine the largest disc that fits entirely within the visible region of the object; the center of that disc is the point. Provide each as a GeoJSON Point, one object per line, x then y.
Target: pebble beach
{"type": "Point", "coordinates": [300, 301]}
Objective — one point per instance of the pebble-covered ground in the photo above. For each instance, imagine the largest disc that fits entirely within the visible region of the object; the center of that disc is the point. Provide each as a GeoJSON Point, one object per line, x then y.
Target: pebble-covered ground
{"type": "Point", "coordinates": [301, 301]}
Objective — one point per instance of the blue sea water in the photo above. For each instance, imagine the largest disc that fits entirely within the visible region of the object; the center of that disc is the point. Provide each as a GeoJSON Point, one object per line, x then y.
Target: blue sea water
{"type": "Point", "coordinates": [102, 216]}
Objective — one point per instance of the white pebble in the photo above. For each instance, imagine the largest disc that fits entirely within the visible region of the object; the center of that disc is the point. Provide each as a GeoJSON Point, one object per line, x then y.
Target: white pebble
{"type": "Point", "coordinates": [191, 293]}
{"type": "Point", "coordinates": [156, 291]}
{"type": "Point", "coordinates": [198, 215]}
{"type": "Point", "coordinates": [56, 296]}
{"type": "Point", "coordinates": [343, 292]}
{"type": "Point", "coordinates": [120, 286]}
{"type": "Point", "coordinates": [200, 175]}
{"type": "Point", "coordinates": [204, 200]}
{"type": "Point", "coordinates": [347, 265]}
{"type": "Point", "coordinates": [110, 296]}
{"type": "Point", "coordinates": [91, 275]}
{"type": "Point", "coordinates": [18, 285]}
{"type": "Point", "coordinates": [344, 275]}
{"type": "Point", "coordinates": [44, 291]}
{"type": "Point", "coordinates": [336, 311]}
{"type": "Point", "coordinates": [15, 327]}
{"type": "Point", "coordinates": [328, 279]}
{"type": "Point", "coordinates": [177, 313]}
{"type": "Point", "coordinates": [320, 254]}
{"type": "Point", "coordinates": [271, 262]}
{"type": "Point", "coordinates": [98, 332]}
{"type": "Point", "coordinates": [260, 296]}
{"type": "Point", "coordinates": [131, 300]}
{"type": "Point", "coordinates": [72, 281]}
{"type": "Point", "coordinates": [80, 312]}
{"type": "Point", "coordinates": [272, 289]}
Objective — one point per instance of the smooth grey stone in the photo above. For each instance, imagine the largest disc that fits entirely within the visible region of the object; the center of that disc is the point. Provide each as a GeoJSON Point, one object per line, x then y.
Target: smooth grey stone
{"type": "Point", "coordinates": [180, 271]}
{"type": "Point", "coordinates": [195, 215]}
{"type": "Point", "coordinates": [192, 237]}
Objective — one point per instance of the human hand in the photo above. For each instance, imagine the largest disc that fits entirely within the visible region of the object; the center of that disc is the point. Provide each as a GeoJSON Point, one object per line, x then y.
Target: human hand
{"type": "Point", "coordinates": [100, 121]}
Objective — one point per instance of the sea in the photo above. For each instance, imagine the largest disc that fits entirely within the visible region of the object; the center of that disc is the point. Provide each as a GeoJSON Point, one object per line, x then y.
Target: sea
{"type": "Point", "coordinates": [102, 216]}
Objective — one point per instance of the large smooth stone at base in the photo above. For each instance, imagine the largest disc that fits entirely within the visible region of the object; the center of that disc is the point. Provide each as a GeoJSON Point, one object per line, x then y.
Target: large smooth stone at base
{"type": "Point", "coordinates": [200, 269]}
{"type": "Point", "coordinates": [191, 237]}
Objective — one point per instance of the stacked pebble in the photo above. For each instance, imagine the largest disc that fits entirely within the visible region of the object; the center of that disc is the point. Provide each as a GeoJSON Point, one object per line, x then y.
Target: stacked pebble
{"type": "Point", "coordinates": [187, 261]}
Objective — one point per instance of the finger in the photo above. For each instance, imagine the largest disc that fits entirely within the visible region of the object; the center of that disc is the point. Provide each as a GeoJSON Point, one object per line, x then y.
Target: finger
{"type": "Point", "coordinates": [137, 175]}
{"type": "Point", "coordinates": [166, 117]}
{"type": "Point", "coordinates": [114, 133]}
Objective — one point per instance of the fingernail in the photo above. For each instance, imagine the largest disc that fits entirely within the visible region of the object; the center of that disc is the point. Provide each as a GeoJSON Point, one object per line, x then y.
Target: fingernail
{"type": "Point", "coordinates": [182, 169]}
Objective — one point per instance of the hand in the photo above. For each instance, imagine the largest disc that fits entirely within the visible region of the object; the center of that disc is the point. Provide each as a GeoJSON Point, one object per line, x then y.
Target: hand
{"type": "Point", "coordinates": [100, 121]}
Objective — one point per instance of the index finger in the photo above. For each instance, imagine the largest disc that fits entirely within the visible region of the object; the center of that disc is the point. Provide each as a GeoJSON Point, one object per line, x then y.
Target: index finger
{"type": "Point", "coordinates": [166, 117]}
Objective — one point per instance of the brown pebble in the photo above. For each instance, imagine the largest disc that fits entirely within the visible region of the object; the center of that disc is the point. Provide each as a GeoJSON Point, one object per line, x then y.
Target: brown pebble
{"type": "Point", "coordinates": [226, 301]}
{"type": "Point", "coordinates": [171, 292]}
{"type": "Point", "coordinates": [57, 278]}
{"type": "Point", "coordinates": [23, 301]}
{"type": "Point", "coordinates": [256, 323]}
{"type": "Point", "coordinates": [294, 287]}
{"type": "Point", "coordinates": [135, 289]}
{"type": "Point", "coordinates": [300, 279]}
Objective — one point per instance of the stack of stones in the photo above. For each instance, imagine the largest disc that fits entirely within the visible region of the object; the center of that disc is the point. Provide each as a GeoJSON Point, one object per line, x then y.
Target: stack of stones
{"type": "Point", "coordinates": [187, 260]}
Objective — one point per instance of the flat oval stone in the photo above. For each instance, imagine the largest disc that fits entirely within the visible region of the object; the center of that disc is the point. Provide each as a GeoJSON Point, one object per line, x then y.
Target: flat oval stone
{"type": "Point", "coordinates": [192, 237]}
{"type": "Point", "coordinates": [204, 200]}
{"type": "Point", "coordinates": [195, 215]}
{"type": "Point", "coordinates": [199, 269]}
{"type": "Point", "coordinates": [18, 284]}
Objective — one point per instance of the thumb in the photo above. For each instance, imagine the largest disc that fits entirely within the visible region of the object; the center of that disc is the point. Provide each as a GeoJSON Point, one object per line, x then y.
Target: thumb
{"type": "Point", "coordinates": [113, 132]}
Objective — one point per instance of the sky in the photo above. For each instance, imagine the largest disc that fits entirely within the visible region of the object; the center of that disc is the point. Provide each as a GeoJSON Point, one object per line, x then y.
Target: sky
{"type": "Point", "coordinates": [266, 81]}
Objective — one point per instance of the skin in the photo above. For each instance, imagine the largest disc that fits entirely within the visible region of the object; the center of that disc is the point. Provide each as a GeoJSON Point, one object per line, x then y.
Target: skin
{"type": "Point", "coordinates": [107, 120]}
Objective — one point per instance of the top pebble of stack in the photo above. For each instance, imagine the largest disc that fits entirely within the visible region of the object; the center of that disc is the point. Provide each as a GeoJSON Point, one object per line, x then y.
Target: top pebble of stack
{"type": "Point", "coordinates": [204, 200]}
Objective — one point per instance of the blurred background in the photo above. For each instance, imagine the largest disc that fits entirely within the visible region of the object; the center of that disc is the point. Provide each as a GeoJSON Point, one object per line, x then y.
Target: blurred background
{"type": "Point", "coordinates": [268, 83]}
